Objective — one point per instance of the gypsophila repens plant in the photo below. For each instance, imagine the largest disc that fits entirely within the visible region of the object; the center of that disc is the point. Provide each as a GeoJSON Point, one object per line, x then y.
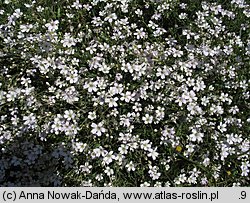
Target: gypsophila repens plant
{"type": "Point", "coordinates": [124, 93]}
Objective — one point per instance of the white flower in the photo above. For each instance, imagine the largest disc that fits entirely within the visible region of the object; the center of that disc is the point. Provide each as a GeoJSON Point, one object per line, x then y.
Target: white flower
{"type": "Point", "coordinates": [204, 181]}
{"type": "Point", "coordinates": [11, 96]}
{"type": "Point", "coordinates": [69, 115]}
{"type": "Point", "coordinates": [112, 102]}
{"type": "Point", "coordinates": [200, 85]}
{"type": "Point", "coordinates": [123, 149]}
{"type": "Point", "coordinates": [108, 158]}
{"type": "Point", "coordinates": [138, 12]}
{"type": "Point", "coordinates": [234, 110]}
{"type": "Point", "coordinates": [158, 184]}
{"type": "Point", "coordinates": [26, 28]}
{"type": "Point", "coordinates": [183, 15]}
{"type": "Point", "coordinates": [224, 152]}
{"type": "Point", "coordinates": [160, 113]}
{"type": "Point", "coordinates": [153, 172]}
{"type": "Point", "coordinates": [127, 96]}
{"type": "Point", "coordinates": [97, 152]}
{"type": "Point", "coordinates": [109, 171]}
{"type": "Point", "coordinates": [68, 41]}
{"type": "Point", "coordinates": [192, 179]}
{"type": "Point", "coordinates": [99, 177]}
{"type": "Point", "coordinates": [145, 184]}
{"type": "Point", "coordinates": [147, 119]}
{"type": "Point", "coordinates": [92, 115]}
{"type": "Point", "coordinates": [98, 129]}
{"type": "Point", "coordinates": [222, 127]}
{"type": "Point", "coordinates": [140, 34]}
{"type": "Point", "coordinates": [86, 167]}
{"type": "Point", "coordinates": [180, 179]}
{"type": "Point", "coordinates": [104, 68]}
{"type": "Point", "coordinates": [111, 18]}
{"type": "Point", "coordinates": [30, 120]}
{"type": "Point", "coordinates": [52, 25]}
{"type": "Point", "coordinates": [70, 95]}
{"type": "Point", "coordinates": [204, 101]}
{"type": "Point", "coordinates": [77, 5]}
{"type": "Point", "coordinates": [192, 108]}
{"type": "Point", "coordinates": [91, 86]}
{"type": "Point", "coordinates": [72, 77]}
{"type": "Point", "coordinates": [245, 168]}
{"type": "Point", "coordinates": [130, 166]}
{"type": "Point", "coordinates": [206, 162]}
{"type": "Point", "coordinates": [57, 125]}
{"type": "Point", "coordinates": [70, 129]}
{"type": "Point", "coordinates": [245, 145]}
{"type": "Point", "coordinates": [145, 145]}
{"type": "Point", "coordinates": [236, 185]}
{"type": "Point", "coordinates": [80, 147]}
{"type": "Point", "coordinates": [196, 136]}
{"type": "Point", "coordinates": [153, 153]}
{"type": "Point", "coordinates": [190, 148]}
{"type": "Point", "coordinates": [39, 9]}
{"type": "Point", "coordinates": [219, 109]}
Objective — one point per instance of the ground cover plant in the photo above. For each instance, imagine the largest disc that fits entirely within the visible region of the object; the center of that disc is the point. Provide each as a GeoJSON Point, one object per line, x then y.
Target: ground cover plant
{"type": "Point", "coordinates": [124, 93]}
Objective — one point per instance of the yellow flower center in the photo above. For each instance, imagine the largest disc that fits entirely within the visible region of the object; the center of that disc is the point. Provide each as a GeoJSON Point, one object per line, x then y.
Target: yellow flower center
{"type": "Point", "coordinates": [178, 148]}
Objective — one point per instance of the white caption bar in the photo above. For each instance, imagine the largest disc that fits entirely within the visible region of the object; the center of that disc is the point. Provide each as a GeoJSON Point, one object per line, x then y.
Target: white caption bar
{"type": "Point", "coordinates": [124, 194]}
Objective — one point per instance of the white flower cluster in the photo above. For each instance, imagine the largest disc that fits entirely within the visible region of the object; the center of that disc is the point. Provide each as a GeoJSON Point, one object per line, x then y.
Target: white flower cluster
{"type": "Point", "coordinates": [124, 93]}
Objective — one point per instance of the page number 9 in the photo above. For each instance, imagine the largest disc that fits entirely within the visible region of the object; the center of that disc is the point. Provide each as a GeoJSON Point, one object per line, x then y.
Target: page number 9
{"type": "Point", "coordinates": [243, 195]}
